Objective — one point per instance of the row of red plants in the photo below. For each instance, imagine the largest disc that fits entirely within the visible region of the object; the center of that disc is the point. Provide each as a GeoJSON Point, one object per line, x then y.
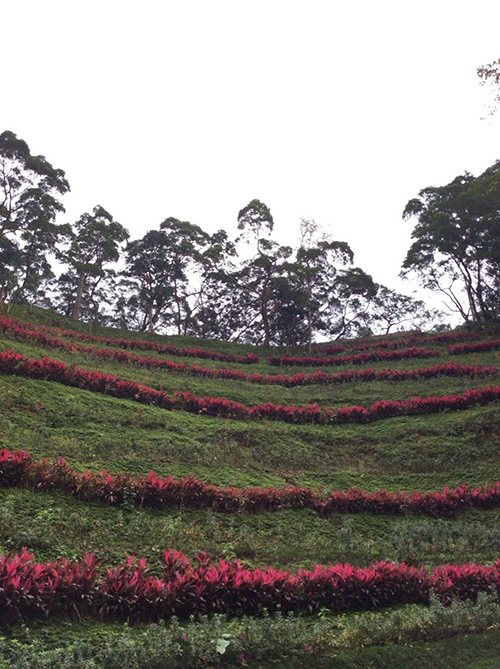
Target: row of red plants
{"type": "Point", "coordinates": [477, 347]}
{"type": "Point", "coordinates": [357, 359]}
{"type": "Point", "coordinates": [448, 369]}
{"type": "Point", "coordinates": [136, 344]}
{"type": "Point", "coordinates": [21, 469]}
{"type": "Point", "coordinates": [94, 381]}
{"type": "Point", "coordinates": [204, 585]}
{"type": "Point", "coordinates": [446, 338]}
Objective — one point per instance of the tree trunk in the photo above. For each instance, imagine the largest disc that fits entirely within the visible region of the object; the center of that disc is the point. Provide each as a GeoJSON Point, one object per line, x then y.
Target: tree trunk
{"type": "Point", "coordinates": [78, 305]}
{"type": "Point", "coordinates": [150, 320]}
{"type": "Point", "coordinates": [309, 318]}
{"type": "Point", "coordinates": [265, 320]}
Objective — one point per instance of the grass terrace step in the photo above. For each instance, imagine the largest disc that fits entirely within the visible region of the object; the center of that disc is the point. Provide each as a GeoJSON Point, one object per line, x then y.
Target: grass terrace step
{"type": "Point", "coordinates": [95, 431]}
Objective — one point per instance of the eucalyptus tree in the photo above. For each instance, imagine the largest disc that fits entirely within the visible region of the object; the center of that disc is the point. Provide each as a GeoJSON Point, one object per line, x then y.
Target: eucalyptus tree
{"type": "Point", "coordinates": [96, 241]}
{"type": "Point", "coordinates": [217, 311]}
{"type": "Point", "coordinates": [148, 269]}
{"type": "Point", "coordinates": [334, 294]}
{"type": "Point", "coordinates": [29, 190]}
{"type": "Point", "coordinates": [392, 310]}
{"type": "Point", "coordinates": [162, 269]}
{"type": "Point", "coordinates": [456, 247]}
{"type": "Point", "coordinates": [259, 274]}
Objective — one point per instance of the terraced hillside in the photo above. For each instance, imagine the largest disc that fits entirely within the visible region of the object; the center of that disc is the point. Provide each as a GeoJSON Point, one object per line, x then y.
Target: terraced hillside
{"type": "Point", "coordinates": [254, 461]}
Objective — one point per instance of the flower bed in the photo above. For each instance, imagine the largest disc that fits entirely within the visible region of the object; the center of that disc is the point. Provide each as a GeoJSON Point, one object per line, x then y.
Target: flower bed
{"type": "Point", "coordinates": [108, 384]}
{"type": "Point", "coordinates": [358, 359]}
{"type": "Point", "coordinates": [19, 468]}
{"type": "Point", "coordinates": [205, 586]}
{"type": "Point", "coordinates": [10, 324]}
{"type": "Point", "coordinates": [300, 379]}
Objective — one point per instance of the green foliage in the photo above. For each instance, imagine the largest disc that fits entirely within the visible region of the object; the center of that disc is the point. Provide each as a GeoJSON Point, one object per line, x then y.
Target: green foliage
{"type": "Point", "coordinates": [96, 432]}
{"type": "Point", "coordinates": [456, 248]}
{"type": "Point", "coordinates": [222, 642]}
{"type": "Point", "coordinates": [95, 242]}
{"type": "Point", "coordinates": [29, 190]}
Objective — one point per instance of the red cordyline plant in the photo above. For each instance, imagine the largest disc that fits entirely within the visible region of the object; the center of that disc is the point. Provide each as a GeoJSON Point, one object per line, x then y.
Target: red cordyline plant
{"type": "Point", "coordinates": [204, 586]}
{"type": "Point", "coordinates": [477, 347]}
{"type": "Point", "coordinates": [19, 468]}
{"type": "Point", "coordinates": [11, 324]}
{"type": "Point", "coordinates": [357, 359]}
{"type": "Point", "coordinates": [94, 381]}
{"type": "Point", "coordinates": [365, 375]}
{"type": "Point", "coordinates": [450, 337]}
{"type": "Point", "coordinates": [29, 589]}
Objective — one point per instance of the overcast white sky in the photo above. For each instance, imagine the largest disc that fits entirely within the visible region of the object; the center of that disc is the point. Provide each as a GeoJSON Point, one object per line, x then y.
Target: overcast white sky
{"type": "Point", "coordinates": [337, 111]}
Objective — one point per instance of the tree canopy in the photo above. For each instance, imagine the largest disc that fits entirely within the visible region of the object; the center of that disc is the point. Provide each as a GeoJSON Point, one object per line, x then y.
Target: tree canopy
{"type": "Point", "coordinates": [29, 190]}
{"type": "Point", "coordinates": [456, 247]}
{"type": "Point", "coordinates": [250, 288]}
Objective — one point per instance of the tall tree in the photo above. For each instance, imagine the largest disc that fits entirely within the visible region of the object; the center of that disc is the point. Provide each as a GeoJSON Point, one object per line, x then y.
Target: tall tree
{"type": "Point", "coordinates": [456, 247]}
{"type": "Point", "coordinates": [162, 268]}
{"type": "Point", "coordinates": [95, 242]}
{"type": "Point", "coordinates": [29, 190]}
{"type": "Point", "coordinates": [149, 268]}
{"type": "Point", "coordinates": [185, 243]}
{"type": "Point", "coordinates": [217, 309]}
{"type": "Point", "coordinates": [347, 308]}
{"type": "Point", "coordinates": [390, 309]}
{"type": "Point", "coordinates": [319, 260]}
{"type": "Point", "coordinates": [259, 274]}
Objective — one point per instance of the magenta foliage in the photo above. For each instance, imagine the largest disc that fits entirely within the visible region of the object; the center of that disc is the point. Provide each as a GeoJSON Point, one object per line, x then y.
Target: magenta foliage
{"type": "Point", "coordinates": [19, 468]}
{"type": "Point", "coordinates": [358, 359]}
{"type": "Point", "coordinates": [477, 347]}
{"type": "Point", "coordinates": [94, 381]}
{"type": "Point", "coordinates": [10, 324]}
{"type": "Point", "coordinates": [204, 586]}
{"type": "Point", "coordinates": [29, 589]}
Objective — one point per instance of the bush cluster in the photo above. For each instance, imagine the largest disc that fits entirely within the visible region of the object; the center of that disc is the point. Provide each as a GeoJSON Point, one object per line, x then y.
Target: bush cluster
{"type": "Point", "coordinates": [447, 369]}
{"type": "Point", "coordinates": [12, 325]}
{"type": "Point", "coordinates": [94, 381]}
{"type": "Point", "coordinates": [358, 359]}
{"type": "Point", "coordinates": [205, 586]}
{"type": "Point", "coordinates": [477, 347]}
{"type": "Point", "coordinates": [450, 337]}
{"type": "Point", "coordinates": [19, 468]}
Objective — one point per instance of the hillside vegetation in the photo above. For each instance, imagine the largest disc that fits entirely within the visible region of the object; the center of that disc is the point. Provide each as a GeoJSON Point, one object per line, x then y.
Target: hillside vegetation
{"type": "Point", "coordinates": [407, 446]}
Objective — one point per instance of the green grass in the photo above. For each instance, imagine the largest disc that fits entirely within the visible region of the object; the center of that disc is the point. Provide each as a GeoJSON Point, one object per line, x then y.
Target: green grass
{"type": "Point", "coordinates": [94, 432]}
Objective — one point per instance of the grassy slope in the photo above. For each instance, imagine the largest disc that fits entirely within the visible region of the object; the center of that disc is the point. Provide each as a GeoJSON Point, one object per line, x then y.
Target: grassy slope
{"type": "Point", "coordinates": [93, 432]}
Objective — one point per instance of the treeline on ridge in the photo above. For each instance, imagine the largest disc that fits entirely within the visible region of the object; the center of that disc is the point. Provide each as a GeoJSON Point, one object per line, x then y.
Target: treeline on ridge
{"type": "Point", "coordinates": [182, 280]}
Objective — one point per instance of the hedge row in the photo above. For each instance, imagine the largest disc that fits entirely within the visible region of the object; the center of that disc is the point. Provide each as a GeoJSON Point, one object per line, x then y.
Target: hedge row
{"type": "Point", "coordinates": [447, 338]}
{"type": "Point", "coordinates": [448, 369]}
{"type": "Point", "coordinates": [478, 347]}
{"type": "Point", "coordinates": [19, 468]}
{"type": "Point", "coordinates": [134, 344]}
{"type": "Point", "coordinates": [356, 359]}
{"type": "Point", "coordinates": [204, 586]}
{"type": "Point", "coordinates": [94, 381]}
